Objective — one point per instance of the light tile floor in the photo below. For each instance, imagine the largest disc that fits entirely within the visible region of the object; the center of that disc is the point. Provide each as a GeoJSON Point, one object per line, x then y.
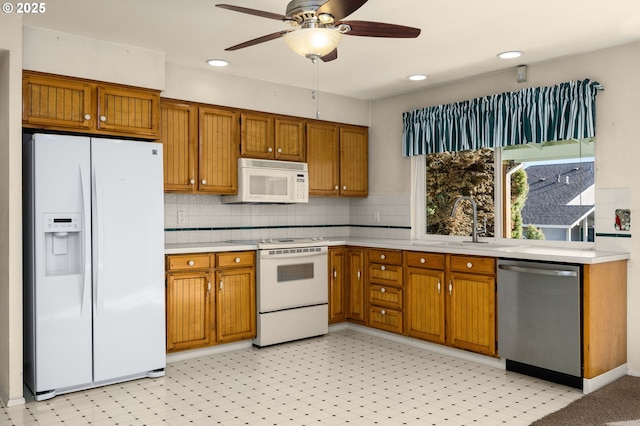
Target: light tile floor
{"type": "Point", "coordinates": [345, 377]}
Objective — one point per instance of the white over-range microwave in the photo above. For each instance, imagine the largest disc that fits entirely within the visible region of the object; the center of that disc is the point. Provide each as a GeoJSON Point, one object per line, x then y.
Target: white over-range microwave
{"type": "Point", "coordinates": [271, 181]}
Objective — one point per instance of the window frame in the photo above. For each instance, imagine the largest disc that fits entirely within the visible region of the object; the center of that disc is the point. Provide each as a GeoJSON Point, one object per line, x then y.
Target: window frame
{"type": "Point", "coordinates": [418, 211]}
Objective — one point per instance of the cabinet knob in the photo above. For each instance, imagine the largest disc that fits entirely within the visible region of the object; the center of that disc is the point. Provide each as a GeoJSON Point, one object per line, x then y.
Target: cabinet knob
{"type": "Point", "coordinates": [103, 118]}
{"type": "Point", "coordinates": [279, 150]}
{"type": "Point", "coordinates": [87, 117]}
{"type": "Point", "coordinates": [337, 187]}
{"type": "Point", "coordinates": [383, 257]}
{"type": "Point", "coordinates": [191, 263]}
{"type": "Point", "coordinates": [423, 260]}
{"type": "Point", "coordinates": [383, 312]}
{"type": "Point", "coordinates": [269, 149]}
{"type": "Point", "coordinates": [204, 181]}
{"type": "Point", "coordinates": [469, 265]}
{"type": "Point", "coordinates": [383, 290]}
{"type": "Point", "coordinates": [344, 188]}
{"type": "Point", "coordinates": [382, 268]}
{"type": "Point", "coordinates": [192, 181]}
{"type": "Point", "coordinates": [237, 260]}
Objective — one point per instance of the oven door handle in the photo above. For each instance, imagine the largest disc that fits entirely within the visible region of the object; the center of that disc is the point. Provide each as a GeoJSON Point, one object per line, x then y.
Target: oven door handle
{"type": "Point", "coordinates": [291, 255]}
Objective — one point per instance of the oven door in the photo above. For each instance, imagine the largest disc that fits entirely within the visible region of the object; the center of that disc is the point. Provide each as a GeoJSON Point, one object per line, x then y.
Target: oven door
{"type": "Point", "coordinates": [292, 278]}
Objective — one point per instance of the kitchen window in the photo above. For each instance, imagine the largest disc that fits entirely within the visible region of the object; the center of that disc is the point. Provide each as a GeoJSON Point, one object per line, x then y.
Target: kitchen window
{"type": "Point", "coordinates": [538, 191]}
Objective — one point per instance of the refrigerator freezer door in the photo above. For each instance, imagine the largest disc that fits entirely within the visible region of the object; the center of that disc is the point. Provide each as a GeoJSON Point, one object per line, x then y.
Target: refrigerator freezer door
{"type": "Point", "coordinates": [58, 337]}
{"type": "Point", "coordinates": [128, 241]}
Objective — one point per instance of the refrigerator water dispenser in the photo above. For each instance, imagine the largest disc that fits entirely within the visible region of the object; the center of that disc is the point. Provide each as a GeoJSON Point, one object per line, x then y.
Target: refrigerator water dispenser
{"type": "Point", "coordinates": [63, 245]}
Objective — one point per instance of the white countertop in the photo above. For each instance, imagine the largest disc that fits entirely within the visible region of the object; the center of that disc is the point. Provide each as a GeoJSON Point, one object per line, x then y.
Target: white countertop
{"type": "Point", "coordinates": [512, 251]}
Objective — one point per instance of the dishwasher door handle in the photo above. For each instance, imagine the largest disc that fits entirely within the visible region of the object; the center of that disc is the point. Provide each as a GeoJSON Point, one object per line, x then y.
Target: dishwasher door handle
{"type": "Point", "coordinates": [554, 272]}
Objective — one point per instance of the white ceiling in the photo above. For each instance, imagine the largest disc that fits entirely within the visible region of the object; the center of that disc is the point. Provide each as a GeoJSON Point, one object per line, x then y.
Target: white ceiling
{"type": "Point", "coordinates": [459, 39]}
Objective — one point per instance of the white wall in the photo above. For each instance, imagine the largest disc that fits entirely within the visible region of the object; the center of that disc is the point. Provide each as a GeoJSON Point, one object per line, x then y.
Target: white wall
{"type": "Point", "coordinates": [11, 209]}
{"type": "Point", "coordinates": [617, 138]}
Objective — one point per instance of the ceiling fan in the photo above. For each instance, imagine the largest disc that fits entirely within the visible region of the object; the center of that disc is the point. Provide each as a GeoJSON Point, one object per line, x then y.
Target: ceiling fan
{"type": "Point", "coordinates": [318, 27]}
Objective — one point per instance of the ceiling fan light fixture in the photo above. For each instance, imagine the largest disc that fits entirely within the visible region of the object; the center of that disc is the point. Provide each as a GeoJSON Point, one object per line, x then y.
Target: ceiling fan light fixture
{"type": "Point", "coordinates": [510, 54]}
{"type": "Point", "coordinates": [313, 42]}
{"type": "Point", "coordinates": [217, 62]}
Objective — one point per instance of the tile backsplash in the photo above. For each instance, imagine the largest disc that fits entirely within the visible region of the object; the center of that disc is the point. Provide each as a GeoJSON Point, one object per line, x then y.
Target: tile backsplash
{"type": "Point", "coordinates": [193, 218]}
{"type": "Point", "coordinates": [608, 236]}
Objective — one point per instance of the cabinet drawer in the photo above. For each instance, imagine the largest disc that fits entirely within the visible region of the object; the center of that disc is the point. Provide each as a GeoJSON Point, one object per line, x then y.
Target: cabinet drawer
{"type": "Point", "coordinates": [389, 257]}
{"type": "Point", "coordinates": [479, 265]}
{"type": "Point", "coordinates": [424, 260]}
{"type": "Point", "coordinates": [186, 262]}
{"type": "Point", "coordinates": [390, 297]}
{"type": "Point", "coordinates": [233, 259]}
{"type": "Point", "coordinates": [385, 274]}
{"type": "Point", "coordinates": [385, 319]}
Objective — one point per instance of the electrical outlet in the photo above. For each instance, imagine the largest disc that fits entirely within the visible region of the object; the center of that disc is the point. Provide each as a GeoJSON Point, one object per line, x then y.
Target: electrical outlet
{"type": "Point", "coordinates": [182, 217]}
{"type": "Point", "coordinates": [376, 217]}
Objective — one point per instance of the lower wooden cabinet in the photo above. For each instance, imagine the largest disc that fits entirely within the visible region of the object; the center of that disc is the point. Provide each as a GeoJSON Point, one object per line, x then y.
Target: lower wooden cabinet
{"type": "Point", "coordinates": [189, 321]}
{"type": "Point", "coordinates": [471, 303]}
{"type": "Point", "coordinates": [337, 287]}
{"type": "Point", "coordinates": [451, 299]}
{"type": "Point", "coordinates": [385, 290]}
{"type": "Point", "coordinates": [210, 299]}
{"type": "Point", "coordinates": [356, 298]}
{"type": "Point", "coordinates": [425, 308]}
{"type": "Point", "coordinates": [235, 304]}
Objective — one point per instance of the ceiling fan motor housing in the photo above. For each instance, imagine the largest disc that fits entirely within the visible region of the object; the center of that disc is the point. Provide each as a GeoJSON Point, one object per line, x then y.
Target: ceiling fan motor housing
{"type": "Point", "coordinates": [303, 13]}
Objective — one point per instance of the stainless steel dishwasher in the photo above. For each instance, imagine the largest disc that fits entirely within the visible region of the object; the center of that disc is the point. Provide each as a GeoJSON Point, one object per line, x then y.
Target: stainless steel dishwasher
{"type": "Point", "coordinates": [539, 312]}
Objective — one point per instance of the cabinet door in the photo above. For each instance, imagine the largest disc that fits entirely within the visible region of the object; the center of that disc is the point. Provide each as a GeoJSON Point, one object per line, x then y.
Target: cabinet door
{"type": "Point", "coordinates": [188, 310]}
{"type": "Point", "coordinates": [179, 137]}
{"type": "Point", "coordinates": [57, 102]}
{"type": "Point", "coordinates": [356, 299]}
{"type": "Point", "coordinates": [425, 311]}
{"type": "Point", "coordinates": [354, 161]}
{"type": "Point", "coordinates": [218, 153]}
{"type": "Point", "coordinates": [236, 304]}
{"type": "Point", "coordinates": [131, 111]}
{"type": "Point", "coordinates": [472, 312]}
{"type": "Point", "coordinates": [323, 158]}
{"type": "Point", "coordinates": [336, 285]}
{"type": "Point", "coordinates": [257, 132]}
{"type": "Point", "coordinates": [289, 139]}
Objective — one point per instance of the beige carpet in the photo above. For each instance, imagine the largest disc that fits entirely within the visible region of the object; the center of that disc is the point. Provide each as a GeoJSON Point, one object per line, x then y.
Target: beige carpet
{"type": "Point", "coordinates": [617, 404]}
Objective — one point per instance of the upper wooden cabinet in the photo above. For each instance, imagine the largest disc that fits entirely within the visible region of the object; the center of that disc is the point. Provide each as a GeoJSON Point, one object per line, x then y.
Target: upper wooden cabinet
{"type": "Point", "coordinates": [338, 159]}
{"type": "Point", "coordinates": [323, 156]}
{"type": "Point", "coordinates": [179, 135]}
{"type": "Point", "coordinates": [271, 137]}
{"type": "Point", "coordinates": [66, 103]}
{"type": "Point", "coordinates": [200, 148]}
{"type": "Point", "coordinates": [218, 151]}
{"type": "Point", "coordinates": [354, 161]}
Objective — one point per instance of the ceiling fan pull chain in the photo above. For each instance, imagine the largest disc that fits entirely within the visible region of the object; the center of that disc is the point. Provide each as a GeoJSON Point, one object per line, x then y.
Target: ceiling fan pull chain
{"type": "Point", "coordinates": [315, 94]}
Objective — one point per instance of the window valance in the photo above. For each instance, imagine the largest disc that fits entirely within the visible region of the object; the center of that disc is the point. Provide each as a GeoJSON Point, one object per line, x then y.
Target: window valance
{"type": "Point", "coordinates": [536, 114]}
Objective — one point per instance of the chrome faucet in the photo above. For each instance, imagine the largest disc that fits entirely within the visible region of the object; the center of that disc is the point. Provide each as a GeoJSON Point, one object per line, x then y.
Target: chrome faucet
{"type": "Point", "coordinates": [474, 229]}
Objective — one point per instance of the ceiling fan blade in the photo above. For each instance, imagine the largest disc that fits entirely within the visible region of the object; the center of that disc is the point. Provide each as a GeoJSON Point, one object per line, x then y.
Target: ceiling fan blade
{"type": "Point", "coordinates": [330, 56]}
{"type": "Point", "coordinates": [380, 29]}
{"type": "Point", "coordinates": [258, 40]}
{"type": "Point", "coordinates": [340, 8]}
{"type": "Point", "coordinates": [255, 12]}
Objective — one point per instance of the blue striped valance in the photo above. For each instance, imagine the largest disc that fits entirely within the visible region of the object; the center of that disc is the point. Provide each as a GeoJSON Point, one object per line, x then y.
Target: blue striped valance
{"type": "Point", "coordinates": [536, 114]}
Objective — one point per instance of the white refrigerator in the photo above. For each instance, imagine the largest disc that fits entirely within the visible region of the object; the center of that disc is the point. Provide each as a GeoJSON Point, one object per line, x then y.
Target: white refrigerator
{"type": "Point", "coordinates": [94, 295]}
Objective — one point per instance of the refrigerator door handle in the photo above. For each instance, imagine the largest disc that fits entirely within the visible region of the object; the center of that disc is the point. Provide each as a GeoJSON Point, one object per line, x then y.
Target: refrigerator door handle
{"type": "Point", "coordinates": [99, 238]}
{"type": "Point", "coordinates": [86, 245]}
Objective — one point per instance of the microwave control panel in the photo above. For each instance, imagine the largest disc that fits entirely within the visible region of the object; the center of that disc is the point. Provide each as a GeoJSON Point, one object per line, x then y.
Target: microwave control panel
{"type": "Point", "coordinates": [301, 188]}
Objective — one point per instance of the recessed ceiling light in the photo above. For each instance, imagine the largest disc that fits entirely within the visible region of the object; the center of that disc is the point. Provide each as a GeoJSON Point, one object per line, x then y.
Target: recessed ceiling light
{"type": "Point", "coordinates": [217, 62]}
{"type": "Point", "coordinates": [510, 54]}
{"type": "Point", "coordinates": [417, 77]}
